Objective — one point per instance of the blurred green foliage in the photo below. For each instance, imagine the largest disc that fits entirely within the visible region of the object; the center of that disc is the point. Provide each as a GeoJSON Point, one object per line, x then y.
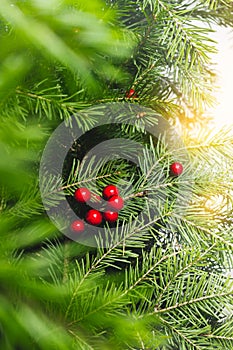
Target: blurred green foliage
{"type": "Point", "coordinates": [74, 34]}
{"type": "Point", "coordinates": [42, 41]}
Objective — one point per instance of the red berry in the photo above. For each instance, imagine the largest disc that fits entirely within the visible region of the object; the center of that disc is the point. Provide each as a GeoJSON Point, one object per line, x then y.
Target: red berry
{"type": "Point", "coordinates": [110, 216]}
{"type": "Point", "coordinates": [94, 217]}
{"type": "Point", "coordinates": [116, 202]}
{"type": "Point", "coordinates": [110, 191]}
{"type": "Point", "coordinates": [130, 93]}
{"type": "Point", "coordinates": [82, 195]}
{"type": "Point", "coordinates": [176, 169]}
{"type": "Point", "coordinates": [77, 226]}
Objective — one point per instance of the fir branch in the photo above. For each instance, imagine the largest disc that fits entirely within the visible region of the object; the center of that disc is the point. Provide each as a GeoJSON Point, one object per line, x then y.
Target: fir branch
{"type": "Point", "coordinates": [192, 301]}
{"type": "Point", "coordinates": [52, 102]}
{"type": "Point", "coordinates": [181, 271]}
{"type": "Point", "coordinates": [181, 335]}
{"type": "Point", "coordinates": [218, 337]}
{"type": "Point", "coordinates": [84, 181]}
{"type": "Point", "coordinates": [123, 292]}
{"type": "Point", "coordinates": [210, 232]}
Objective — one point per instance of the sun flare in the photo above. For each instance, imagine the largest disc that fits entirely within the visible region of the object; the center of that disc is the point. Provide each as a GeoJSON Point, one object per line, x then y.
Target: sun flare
{"type": "Point", "coordinates": [223, 113]}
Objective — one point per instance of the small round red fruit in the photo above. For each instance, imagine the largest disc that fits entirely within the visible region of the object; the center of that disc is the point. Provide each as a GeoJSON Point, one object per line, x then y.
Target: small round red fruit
{"type": "Point", "coordinates": [110, 216]}
{"type": "Point", "coordinates": [82, 195]}
{"type": "Point", "coordinates": [176, 169]}
{"type": "Point", "coordinates": [94, 217]}
{"type": "Point", "coordinates": [131, 93]}
{"type": "Point", "coordinates": [116, 203]}
{"type": "Point", "coordinates": [110, 191]}
{"type": "Point", "coordinates": [77, 226]}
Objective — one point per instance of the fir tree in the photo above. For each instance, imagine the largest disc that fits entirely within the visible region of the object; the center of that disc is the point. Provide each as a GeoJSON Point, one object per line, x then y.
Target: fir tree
{"type": "Point", "coordinates": [161, 281]}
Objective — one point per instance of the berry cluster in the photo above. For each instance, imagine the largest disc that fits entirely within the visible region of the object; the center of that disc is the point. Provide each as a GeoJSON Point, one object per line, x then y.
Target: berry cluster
{"type": "Point", "coordinates": [114, 203]}
{"type": "Point", "coordinates": [93, 216]}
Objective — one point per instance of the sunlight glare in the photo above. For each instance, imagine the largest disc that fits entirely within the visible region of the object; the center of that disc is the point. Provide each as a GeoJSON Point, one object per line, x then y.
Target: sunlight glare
{"type": "Point", "coordinates": [223, 113]}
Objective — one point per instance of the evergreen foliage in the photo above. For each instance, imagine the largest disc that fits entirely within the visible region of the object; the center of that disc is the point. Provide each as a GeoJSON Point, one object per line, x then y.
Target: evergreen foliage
{"type": "Point", "coordinates": [162, 281]}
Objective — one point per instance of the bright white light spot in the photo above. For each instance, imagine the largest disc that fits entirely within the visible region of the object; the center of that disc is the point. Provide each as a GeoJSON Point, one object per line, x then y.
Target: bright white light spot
{"type": "Point", "coordinates": [223, 112]}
